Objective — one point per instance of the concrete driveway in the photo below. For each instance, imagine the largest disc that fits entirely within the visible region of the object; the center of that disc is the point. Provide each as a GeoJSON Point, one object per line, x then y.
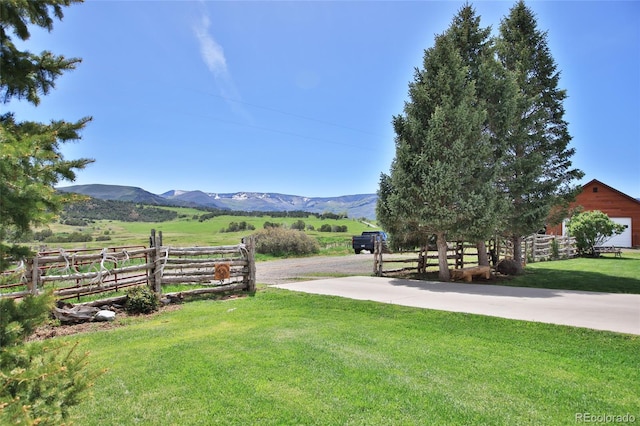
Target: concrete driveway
{"type": "Point", "coordinates": [600, 311]}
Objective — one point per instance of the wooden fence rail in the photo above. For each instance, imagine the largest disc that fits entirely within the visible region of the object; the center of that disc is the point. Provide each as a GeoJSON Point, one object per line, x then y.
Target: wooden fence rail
{"type": "Point", "coordinates": [77, 273]}
{"type": "Point", "coordinates": [535, 248]}
{"type": "Point", "coordinates": [540, 247]}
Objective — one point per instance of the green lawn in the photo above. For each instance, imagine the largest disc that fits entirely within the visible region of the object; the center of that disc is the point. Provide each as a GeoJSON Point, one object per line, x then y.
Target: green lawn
{"type": "Point", "coordinates": [282, 358]}
{"type": "Point", "coordinates": [605, 274]}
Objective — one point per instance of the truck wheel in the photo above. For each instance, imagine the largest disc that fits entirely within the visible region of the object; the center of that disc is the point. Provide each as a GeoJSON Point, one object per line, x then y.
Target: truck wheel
{"type": "Point", "coordinates": [357, 251]}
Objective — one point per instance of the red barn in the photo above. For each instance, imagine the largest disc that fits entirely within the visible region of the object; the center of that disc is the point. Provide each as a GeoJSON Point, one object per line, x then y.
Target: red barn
{"type": "Point", "coordinates": [620, 207]}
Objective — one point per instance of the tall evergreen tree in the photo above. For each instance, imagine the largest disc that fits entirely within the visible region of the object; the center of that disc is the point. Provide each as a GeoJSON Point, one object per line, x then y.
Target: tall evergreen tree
{"type": "Point", "coordinates": [537, 173]}
{"type": "Point", "coordinates": [38, 383]}
{"type": "Point", "coordinates": [495, 92]}
{"type": "Point", "coordinates": [31, 163]}
{"type": "Point", "coordinates": [438, 180]}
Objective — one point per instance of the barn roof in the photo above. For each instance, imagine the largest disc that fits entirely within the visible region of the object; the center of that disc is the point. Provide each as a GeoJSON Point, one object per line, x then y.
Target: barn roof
{"type": "Point", "coordinates": [596, 181]}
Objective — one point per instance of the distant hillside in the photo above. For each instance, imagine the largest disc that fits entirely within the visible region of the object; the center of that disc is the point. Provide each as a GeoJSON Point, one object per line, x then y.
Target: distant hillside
{"type": "Point", "coordinates": [354, 206]}
{"type": "Point", "coordinates": [117, 193]}
{"type": "Point", "coordinates": [126, 211]}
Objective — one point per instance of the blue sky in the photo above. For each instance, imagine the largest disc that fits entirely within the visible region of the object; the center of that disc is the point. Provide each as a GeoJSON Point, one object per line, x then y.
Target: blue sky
{"type": "Point", "coordinates": [298, 97]}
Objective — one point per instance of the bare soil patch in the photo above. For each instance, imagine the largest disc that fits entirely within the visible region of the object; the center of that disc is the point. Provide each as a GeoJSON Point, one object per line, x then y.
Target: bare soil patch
{"type": "Point", "coordinates": [52, 329]}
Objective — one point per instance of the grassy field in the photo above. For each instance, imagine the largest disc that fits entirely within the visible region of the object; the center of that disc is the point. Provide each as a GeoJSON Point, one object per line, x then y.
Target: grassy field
{"type": "Point", "coordinates": [284, 358]}
{"type": "Point", "coordinates": [187, 231]}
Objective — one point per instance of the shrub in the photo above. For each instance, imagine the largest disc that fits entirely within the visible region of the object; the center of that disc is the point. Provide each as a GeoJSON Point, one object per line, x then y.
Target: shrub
{"type": "Point", "coordinates": [298, 225]}
{"type": "Point", "coordinates": [75, 222]}
{"type": "Point", "coordinates": [42, 235]}
{"type": "Point", "coordinates": [325, 227]}
{"type": "Point", "coordinates": [283, 242]}
{"type": "Point", "coordinates": [141, 300]}
{"type": "Point", "coordinates": [242, 226]}
{"type": "Point", "coordinates": [74, 237]}
{"type": "Point", "coordinates": [555, 250]}
{"type": "Point", "coordinates": [592, 228]}
{"type": "Point", "coordinates": [39, 382]}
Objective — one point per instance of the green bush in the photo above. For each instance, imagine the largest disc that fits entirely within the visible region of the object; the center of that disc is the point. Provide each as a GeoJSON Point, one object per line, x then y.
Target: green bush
{"type": "Point", "coordinates": [141, 300]}
{"type": "Point", "coordinates": [39, 382]}
{"type": "Point", "coordinates": [236, 227]}
{"type": "Point", "coordinates": [268, 225]}
{"type": "Point", "coordinates": [298, 225]}
{"type": "Point", "coordinates": [284, 242]}
{"type": "Point", "coordinates": [42, 235]}
{"type": "Point", "coordinates": [75, 222]}
{"type": "Point", "coordinates": [74, 237]}
{"type": "Point", "coordinates": [592, 228]}
{"type": "Point", "coordinates": [555, 250]}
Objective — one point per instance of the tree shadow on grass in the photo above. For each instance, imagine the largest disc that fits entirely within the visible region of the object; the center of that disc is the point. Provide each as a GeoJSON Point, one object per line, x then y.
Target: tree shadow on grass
{"type": "Point", "coordinates": [540, 278]}
{"type": "Point", "coordinates": [576, 280]}
{"type": "Point", "coordinates": [484, 288]}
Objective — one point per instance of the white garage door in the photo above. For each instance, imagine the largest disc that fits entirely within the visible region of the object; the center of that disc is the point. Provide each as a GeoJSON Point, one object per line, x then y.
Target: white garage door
{"type": "Point", "coordinates": [624, 239]}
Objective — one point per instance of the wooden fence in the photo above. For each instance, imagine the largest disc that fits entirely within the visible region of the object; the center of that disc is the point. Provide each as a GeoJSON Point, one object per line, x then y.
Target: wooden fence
{"type": "Point", "coordinates": [535, 248]}
{"type": "Point", "coordinates": [540, 247]}
{"type": "Point", "coordinates": [459, 255]}
{"type": "Point", "coordinates": [77, 273]}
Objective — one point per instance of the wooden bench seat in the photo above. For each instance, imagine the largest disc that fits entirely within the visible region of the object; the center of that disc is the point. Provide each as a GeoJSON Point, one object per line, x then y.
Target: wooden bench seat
{"type": "Point", "coordinates": [607, 249]}
{"type": "Point", "coordinates": [467, 274]}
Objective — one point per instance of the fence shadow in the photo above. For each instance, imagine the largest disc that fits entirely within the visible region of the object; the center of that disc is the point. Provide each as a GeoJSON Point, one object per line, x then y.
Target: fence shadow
{"type": "Point", "coordinates": [538, 283]}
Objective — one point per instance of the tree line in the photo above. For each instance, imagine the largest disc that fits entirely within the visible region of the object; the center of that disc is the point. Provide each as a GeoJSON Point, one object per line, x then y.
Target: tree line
{"type": "Point", "coordinates": [213, 212]}
{"type": "Point", "coordinates": [482, 146]}
{"type": "Point", "coordinates": [78, 213]}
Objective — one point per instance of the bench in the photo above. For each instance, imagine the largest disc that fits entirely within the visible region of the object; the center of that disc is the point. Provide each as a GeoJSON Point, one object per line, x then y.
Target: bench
{"type": "Point", "coordinates": [597, 251]}
{"type": "Point", "coordinates": [467, 274]}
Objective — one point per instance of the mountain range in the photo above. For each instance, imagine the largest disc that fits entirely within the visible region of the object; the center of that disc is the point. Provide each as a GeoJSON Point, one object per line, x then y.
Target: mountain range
{"type": "Point", "coordinates": [356, 206]}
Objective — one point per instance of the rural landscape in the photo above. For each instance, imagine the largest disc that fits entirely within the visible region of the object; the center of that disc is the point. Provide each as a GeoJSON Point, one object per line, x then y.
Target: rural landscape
{"type": "Point", "coordinates": [126, 307]}
{"type": "Point", "coordinates": [323, 359]}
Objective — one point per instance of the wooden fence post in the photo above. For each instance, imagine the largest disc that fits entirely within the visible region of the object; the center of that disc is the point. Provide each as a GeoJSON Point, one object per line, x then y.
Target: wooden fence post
{"type": "Point", "coordinates": [251, 263]}
{"type": "Point", "coordinates": [459, 253]}
{"type": "Point", "coordinates": [158, 269]}
{"type": "Point", "coordinates": [155, 273]}
{"type": "Point", "coordinates": [32, 285]}
{"type": "Point", "coordinates": [377, 256]}
{"type": "Point", "coordinates": [151, 273]}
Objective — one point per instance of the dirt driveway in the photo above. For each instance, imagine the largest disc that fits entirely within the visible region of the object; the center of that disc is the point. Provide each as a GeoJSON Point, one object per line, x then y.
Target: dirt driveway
{"type": "Point", "coordinates": [292, 270]}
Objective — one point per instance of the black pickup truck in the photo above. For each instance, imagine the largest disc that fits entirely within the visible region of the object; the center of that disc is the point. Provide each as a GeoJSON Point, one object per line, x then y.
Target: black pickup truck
{"type": "Point", "coordinates": [367, 241]}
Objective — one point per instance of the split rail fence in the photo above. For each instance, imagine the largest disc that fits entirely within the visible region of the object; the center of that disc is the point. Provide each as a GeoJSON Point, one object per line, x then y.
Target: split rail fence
{"type": "Point", "coordinates": [73, 274]}
{"type": "Point", "coordinates": [535, 248]}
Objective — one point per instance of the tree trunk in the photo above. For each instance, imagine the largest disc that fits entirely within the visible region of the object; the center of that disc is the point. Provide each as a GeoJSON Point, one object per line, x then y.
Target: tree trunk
{"type": "Point", "coordinates": [517, 252]}
{"type": "Point", "coordinates": [441, 242]}
{"type": "Point", "coordinates": [483, 259]}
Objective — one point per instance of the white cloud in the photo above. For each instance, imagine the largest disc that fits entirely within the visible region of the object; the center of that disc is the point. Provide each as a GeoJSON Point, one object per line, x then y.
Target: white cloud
{"type": "Point", "coordinates": [213, 56]}
{"type": "Point", "coordinates": [212, 53]}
